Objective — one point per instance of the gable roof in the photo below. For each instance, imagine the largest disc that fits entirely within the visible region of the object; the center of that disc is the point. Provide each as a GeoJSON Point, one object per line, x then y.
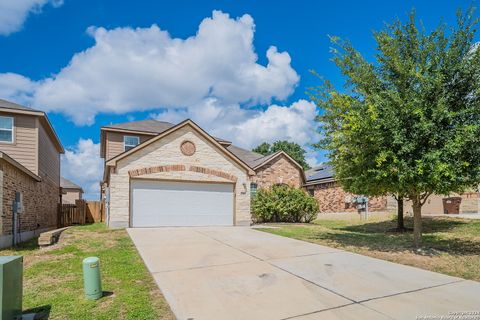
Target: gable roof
{"type": "Point", "coordinates": [249, 157]}
{"type": "Point", "coordinates": [19, 166]}
{"type": "Point", "coordinates": [154, 127]}
{"type": "Point", "coordinates": [15, 106]}
{"type": "Point", "coordinates": [67, 184]}
{"type": "Point", "coordinates": [256, 160]}
{"type": "Point", "coordinates": [275, 155]}
{"type": "Point", "coordinates": [319, 174]}
{"type": "Point", "coordinates": [113, 161]}
{"type": "Point", "coordinates": [11, 107]}
{"type": "Point", "coordinates": [143, 127]}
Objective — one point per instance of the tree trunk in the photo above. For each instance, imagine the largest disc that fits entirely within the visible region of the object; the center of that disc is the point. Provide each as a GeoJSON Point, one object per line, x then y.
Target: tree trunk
{"type": "Point", "coordinates": [400, 222]}
{"type": "Point", "coordinates": [417, 222]}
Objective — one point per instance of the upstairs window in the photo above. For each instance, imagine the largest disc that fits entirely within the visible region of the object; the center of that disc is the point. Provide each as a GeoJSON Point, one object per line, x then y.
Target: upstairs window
{"type": "Point", "coordinates": [130, 142]}
{"type": "Point", "coordinates": [6, 129]}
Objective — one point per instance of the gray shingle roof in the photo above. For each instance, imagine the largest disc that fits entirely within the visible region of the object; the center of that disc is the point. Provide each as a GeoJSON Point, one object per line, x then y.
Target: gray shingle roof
{"type": "Point", "coordinates": [67, 184]}
{"type": "Point", "coordinates": [153, 126]}
{"type": "Point", "coordinates": [265, 159]}
{"type": "Point", "coordinates": [320, 172]}
{"type": "Point", "coordinates": [252, 159]}
{"type": "Point", "coordinates": [15, 106]}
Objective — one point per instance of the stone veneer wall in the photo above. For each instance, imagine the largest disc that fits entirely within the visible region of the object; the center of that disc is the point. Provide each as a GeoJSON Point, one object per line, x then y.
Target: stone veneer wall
{"type": "Point", "coordinates": [332, 198]}
{"type": "Point", "coordinates": [40, 200]}
{"type": "Point", "coordinates": [166, 152]}
{"type": "Point", "coordinates": [279, 171]}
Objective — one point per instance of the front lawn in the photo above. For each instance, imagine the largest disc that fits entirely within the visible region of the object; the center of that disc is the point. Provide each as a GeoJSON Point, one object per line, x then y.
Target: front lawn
{"type": "Point", "coordinates": [53, 280]}
{"type": "Point", "coordinates": [450, 246]}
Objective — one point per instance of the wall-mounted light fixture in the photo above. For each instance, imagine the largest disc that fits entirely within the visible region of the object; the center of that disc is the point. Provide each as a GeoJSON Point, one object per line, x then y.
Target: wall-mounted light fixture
{"type": "Point", "coordinates": [244, 188]}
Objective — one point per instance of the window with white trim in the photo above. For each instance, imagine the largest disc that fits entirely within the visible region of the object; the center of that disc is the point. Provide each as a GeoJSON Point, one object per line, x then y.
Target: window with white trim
{"type": "Point", "coordinates": [130, 142]}
{"type": "Point", "coordinates": [6, 129]}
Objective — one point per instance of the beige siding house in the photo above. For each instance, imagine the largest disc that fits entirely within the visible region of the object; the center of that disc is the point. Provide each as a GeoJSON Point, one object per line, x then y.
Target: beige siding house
{"type": "Point", "coordinates": [70, 192]}
{"type": "Point", "coordinates": [161, 174]}
{"type": "Point", "coordinates": [29, 172]}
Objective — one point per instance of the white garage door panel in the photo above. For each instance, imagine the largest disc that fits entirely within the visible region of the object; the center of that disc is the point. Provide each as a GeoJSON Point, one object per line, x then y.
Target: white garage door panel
{"type": "Point", "coordinates": [168, 203]}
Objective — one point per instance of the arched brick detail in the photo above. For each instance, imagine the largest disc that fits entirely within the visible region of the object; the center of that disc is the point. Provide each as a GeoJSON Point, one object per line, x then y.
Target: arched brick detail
{"type": "Point", "coordinates": [156, 169]}
{"type": "Point", "coordinates": [181, 167]}
{"type": "Point", "coordinates": [213, 172]}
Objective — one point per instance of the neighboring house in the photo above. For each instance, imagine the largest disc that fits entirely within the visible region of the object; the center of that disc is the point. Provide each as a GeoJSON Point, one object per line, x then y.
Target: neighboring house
{"type": "Point", "coordinates": [331, 198]}
{"type": "Point", "coordinates": [29, 171]}
{"type": "Point", "coordinates": [70, 191]}
{"type": "Point", "coordinates": [469, 203]}
{"type": "Point", "coordinates": [161, 174]}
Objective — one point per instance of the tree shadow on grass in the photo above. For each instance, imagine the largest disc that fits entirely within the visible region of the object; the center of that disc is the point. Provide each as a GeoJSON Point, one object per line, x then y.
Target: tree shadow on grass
{"type": "Point", "coordinates": [22, 247]}
{"type": "Point", "coordinates": [42, 312]}
{"type": "Point", "coordinates": [380, 237]}
{"type": "Point", "coordinates": [429, 225]}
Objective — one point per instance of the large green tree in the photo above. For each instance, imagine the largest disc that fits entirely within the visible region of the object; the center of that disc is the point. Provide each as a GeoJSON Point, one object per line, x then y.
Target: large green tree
{"type": "Point", "coordinates": [408, 123]}
{"type": "Point", "coordinates": [293, 149]}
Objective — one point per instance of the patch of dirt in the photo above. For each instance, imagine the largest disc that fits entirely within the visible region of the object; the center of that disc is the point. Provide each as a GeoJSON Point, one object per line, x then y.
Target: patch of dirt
{"type": "Point", "coordinates": [29, 260]}
{"type": "Point", "coordinates": [158, 301]}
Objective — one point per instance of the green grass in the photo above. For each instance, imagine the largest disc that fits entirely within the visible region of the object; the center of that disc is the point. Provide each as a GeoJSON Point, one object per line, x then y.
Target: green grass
{"type": "Point", "coordinates": [53, 280]}
{"type": "Point", "coordinates": [450, 246]}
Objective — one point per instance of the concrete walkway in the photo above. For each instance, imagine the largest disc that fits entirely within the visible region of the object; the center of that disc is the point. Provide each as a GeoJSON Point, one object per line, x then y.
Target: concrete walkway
{"type": "Point", "coordinates": [240, 273]}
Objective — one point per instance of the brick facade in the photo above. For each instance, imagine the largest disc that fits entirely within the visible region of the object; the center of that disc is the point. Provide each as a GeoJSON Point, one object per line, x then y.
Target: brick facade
{"type": "Point", "coordinates": [164, 160]}
{"type": "Point", "coordinates": [181, 167]}
{"type": "Point", "coordinates": [280, 170]}
{"type": "Point", "coordinates": [40, 200]}
{"type": "Point", "coordinates": [332, 198]}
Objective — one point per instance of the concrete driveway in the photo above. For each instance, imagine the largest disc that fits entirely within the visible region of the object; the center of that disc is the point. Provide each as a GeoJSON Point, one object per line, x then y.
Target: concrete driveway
{"type": "Point", "coordinates": [240, 273]}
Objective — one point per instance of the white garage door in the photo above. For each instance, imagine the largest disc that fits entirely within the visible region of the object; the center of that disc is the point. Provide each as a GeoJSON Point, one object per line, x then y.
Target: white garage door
{"type": "Point", "coordinates": [166, 203]}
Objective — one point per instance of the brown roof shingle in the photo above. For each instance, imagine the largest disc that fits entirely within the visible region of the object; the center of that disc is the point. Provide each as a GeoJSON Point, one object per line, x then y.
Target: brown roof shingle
{"type": "Point", "coordinates": [67, 184]}
{"type": "Point", "coordinates": [152, 126]}
{"type": "Point", "coordinates": [11, 105]}
{"type": "Point", "coordinates": [252, 159]}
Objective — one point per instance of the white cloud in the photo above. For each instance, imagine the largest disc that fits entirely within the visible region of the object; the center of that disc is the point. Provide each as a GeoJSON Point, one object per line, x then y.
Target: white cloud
{"type": "Point", "coordinates": [138, 69]}
{"type": "Point", "coordinates": [212, 77]}
{"type": "Point", "coordinates": [13, 13]}
{"type": "Point", "coordinates": [82, 164]}
{"type": "Point", "coordinates": [312, 158]}
{"type": "Point", "coordinates": [16, 87]}
{"type": "Point", "coordinates": [248, 128]}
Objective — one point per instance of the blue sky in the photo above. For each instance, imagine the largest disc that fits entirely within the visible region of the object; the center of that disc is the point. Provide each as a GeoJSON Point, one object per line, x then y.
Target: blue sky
{"type": "Point", "coordinates": [124, 69]}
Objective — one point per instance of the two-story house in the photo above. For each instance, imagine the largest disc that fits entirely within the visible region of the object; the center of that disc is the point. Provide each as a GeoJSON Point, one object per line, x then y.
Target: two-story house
{"type": "Point", "coordinates": [29, 172]}
{"type": "Point", "coordinates": [161, 174]}
{"type": "Point", "coordinates": [70, 191]}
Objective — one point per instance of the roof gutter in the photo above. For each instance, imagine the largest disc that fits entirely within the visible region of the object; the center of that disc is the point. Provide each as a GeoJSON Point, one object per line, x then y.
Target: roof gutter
{"type": "Point", "coordinates": [319, 181]}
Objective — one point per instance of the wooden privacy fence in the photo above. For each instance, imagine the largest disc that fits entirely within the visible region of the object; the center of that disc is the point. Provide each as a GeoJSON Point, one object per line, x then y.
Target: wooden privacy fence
{"type": "Point", "coordinates": [81, 212]}
{"type": "Point", "coordinates": [71, 214]}
{"type": "Point", "coordinates": [95, 211]}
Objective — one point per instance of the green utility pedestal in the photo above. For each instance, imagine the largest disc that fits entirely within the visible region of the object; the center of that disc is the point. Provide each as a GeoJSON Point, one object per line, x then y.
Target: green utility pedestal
{"type": "Point", "coordinates": [91, 278]}
{"type": "Point", "coordinates": [11, 279]}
